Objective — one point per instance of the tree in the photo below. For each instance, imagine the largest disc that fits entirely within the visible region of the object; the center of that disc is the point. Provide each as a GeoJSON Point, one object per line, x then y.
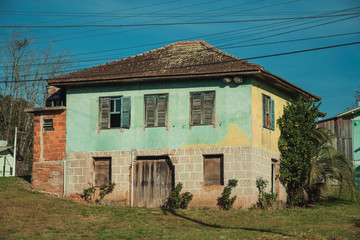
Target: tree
{"type": "Point", "coordinates": [296, 146]}
{"type": "Point", "coordinates": [23, 73]}
{"type": "Point", "coordinates": [329, 165]}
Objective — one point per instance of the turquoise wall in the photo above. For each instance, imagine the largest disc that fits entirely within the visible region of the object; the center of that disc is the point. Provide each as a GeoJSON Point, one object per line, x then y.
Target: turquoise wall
{"type": "Point", "coordinates": [232, 110]}
{"type": "Point", "coordinates": [356, 147]}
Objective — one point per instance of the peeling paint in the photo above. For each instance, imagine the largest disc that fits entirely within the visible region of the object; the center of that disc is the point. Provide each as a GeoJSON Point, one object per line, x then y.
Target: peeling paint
{"type": "Point", "coordinates": [235, 137]}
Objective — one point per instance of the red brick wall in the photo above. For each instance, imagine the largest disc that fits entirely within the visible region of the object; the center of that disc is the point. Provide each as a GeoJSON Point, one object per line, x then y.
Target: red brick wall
{"type": "Point", "coordinates": [49, 151]}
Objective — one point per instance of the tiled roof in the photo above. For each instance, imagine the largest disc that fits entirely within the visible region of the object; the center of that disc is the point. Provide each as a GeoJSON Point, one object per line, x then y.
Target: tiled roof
{"type": "Point", "coordinates": [177, 59]}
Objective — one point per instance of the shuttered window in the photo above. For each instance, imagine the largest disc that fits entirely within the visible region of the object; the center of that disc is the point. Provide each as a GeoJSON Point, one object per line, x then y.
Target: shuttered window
{"type": "Point", "coordinates": [202, 108]}
{"type": "Point", "coordinates": [213, 170]}
{"type": "Point", "coordinates": [102, 167]}
{"type": "Point", "coordinates": [114, 112]}
{"type": "Point", "coordinates": [268, 112]}
{"type": "Point", "coordinates": [156, 110]}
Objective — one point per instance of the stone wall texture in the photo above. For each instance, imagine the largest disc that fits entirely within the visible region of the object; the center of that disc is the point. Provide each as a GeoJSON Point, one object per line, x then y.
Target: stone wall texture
{"type": "Point", "coordinates": [244, 163]}
{"type": "Point", "coordinates": [49, 151]}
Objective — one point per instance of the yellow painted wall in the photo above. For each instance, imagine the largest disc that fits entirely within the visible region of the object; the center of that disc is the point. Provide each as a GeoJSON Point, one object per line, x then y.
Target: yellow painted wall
{"type": "Point", "coordinates": [263, 137]}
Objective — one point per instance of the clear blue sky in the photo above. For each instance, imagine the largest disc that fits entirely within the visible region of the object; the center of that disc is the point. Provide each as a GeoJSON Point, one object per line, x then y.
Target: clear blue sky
{"type": "Point", "coordinates": [332, 74]}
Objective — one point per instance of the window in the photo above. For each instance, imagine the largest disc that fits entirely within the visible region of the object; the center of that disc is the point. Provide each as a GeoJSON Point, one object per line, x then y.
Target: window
{"type": "Point", "coordinates": [102, 168]}
{"type": "Point", "coordinates": [268, 113]}
{"type": "Point", "coordinates": [275, 185]}
{"type": "Point", "coordinates": [48, 125]}
{"type": "Point", "coordinates": [213, 170]}
{"type": "Point", "coordinates": [202, 108]}
{"type": "Point", "coordinates": [114, 112]}
{"type": "Point", "coordinates": [156, 110]}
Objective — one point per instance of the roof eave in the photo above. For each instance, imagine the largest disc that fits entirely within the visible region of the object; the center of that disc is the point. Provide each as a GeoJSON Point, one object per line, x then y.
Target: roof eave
{"type": "Point", "coordinates": [68, 82]}
{"type": "Point", "coordinates": [289, 86]}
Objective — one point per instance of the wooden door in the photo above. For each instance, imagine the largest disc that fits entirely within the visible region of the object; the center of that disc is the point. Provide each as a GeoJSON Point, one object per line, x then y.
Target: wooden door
{"type": "Point", "coordinates": [153, 181]}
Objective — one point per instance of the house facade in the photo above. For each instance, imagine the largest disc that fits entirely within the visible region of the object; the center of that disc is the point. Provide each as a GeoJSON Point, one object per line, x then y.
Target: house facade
{"type": "Point", "coordinates": [346, 128]}
{"type": "Point", "coordinates": [186, 112]}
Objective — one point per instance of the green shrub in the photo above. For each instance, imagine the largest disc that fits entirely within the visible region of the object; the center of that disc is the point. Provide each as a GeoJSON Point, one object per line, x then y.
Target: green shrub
{"type": "Point", "coordinates": [177, 200]}
{"type": "Point", "coordinates": [226, 202]}
{"type": "Point", "coordinates": [88, 194]}
{"type": "Point", "coordinates": [265, 200]}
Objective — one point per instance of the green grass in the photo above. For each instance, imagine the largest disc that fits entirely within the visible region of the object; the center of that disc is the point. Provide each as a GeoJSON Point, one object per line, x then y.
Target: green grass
{"type": "Point", "coordinates": [30, 215]}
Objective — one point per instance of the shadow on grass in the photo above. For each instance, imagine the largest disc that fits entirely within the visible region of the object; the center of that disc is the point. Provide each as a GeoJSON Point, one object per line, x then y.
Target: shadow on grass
{"type": "Point", "coordinates": [173, 212]}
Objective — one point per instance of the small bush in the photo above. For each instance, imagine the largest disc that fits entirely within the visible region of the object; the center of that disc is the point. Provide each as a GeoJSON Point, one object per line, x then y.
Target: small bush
{"type": "Point", "coordinates": [106, 189]}
{"type": "Point", "coordinates": [226, 202]}
{"type": "Point", "coordinates": [266, 200]}
{"type": "Point", "coordinates": [177, 200]}
{"type": "Point", "coordinates": [89, 193]}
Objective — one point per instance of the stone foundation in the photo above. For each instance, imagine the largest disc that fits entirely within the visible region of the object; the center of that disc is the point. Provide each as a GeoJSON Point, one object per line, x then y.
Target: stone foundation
{"type": "Point", "coordinates": [244, 163]}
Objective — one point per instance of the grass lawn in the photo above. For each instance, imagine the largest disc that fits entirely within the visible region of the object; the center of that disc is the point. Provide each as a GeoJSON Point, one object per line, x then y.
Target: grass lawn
{"type": "Point", "coordinates": [31, 215]}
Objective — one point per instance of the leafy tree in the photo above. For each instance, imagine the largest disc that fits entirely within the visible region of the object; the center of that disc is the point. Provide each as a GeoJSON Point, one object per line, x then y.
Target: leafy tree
{"type": "Point", "coordinates": [296, 146]}
{"type": "Point", "coordinates": [24, 71]}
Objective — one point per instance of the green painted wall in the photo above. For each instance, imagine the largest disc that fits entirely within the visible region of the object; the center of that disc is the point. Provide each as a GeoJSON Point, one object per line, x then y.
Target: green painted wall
{"type": "Point", "coordinates": [6, 162]}
{"type": "Point", "coordinates": [356, 147]}
{"type": "Point", "coordinates": [232, 107]}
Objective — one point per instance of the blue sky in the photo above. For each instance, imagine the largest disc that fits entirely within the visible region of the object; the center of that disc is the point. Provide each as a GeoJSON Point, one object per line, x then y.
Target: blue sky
{"type": "Point", "coordinates": [332, 74]}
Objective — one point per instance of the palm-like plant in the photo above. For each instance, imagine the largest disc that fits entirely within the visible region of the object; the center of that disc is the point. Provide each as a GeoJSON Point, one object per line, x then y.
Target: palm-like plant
{"type": "Point", "coordinates": [329, 165]}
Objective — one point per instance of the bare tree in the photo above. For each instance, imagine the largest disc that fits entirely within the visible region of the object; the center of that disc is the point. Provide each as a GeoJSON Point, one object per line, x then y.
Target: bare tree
{"type": "Point", "coordinates": [24, 71]}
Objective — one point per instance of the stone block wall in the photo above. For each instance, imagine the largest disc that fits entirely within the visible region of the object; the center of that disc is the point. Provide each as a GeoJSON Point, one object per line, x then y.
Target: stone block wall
{"type": "Point", "coordinates": [49, 150]}
{"type": "Point", "coordinates": [244, 163]}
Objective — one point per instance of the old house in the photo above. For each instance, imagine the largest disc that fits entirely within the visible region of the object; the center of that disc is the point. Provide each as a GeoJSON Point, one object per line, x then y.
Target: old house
{"type": "Point", "coordinates": [346, 128]}
{"type": "Point", "coordinates": [186, 112]}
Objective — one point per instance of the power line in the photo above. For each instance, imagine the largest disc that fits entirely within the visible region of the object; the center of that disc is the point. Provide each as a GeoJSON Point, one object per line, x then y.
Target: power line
{"type": "Point", "coordinates": [249, 45]}
{"type": "Point", "coordinates": [250, 58]}
{"type": "Point", "coordinates": [173, 23]}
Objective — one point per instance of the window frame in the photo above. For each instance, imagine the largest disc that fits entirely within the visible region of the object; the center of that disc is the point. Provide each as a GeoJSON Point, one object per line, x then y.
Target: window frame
{"type": "Point", "coordinates": [156, 110]}
{"type": "Point", "coordinates": [124, 113]}
{"type": "Point", "coordinates": [102, 159]}
{"type": "Point", "coordinates": [221, 169]}
{"type": "Point", "coordinates": [48, 125]}
{"type": "Point", "coordinates": [203, 108]}
{"type": "Point", "coordinates": [268, 108]}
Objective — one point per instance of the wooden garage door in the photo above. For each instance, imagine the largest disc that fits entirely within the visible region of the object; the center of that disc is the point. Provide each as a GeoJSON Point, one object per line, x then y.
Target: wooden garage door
{"type": "Point", "coordinates": [153, 181]}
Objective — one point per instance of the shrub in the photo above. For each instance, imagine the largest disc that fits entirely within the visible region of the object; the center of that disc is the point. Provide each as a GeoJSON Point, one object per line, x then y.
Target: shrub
{"type": "Point", "coordinates": [226, 202]}
{"type": "Point", "coordinates": [105, 189]}
{"type": "Point", "coordinates": [265, 200]}
{"type": "Point", "coordinates": [88, 194]}
{"type": "Point", "coordinates": [177, 200]}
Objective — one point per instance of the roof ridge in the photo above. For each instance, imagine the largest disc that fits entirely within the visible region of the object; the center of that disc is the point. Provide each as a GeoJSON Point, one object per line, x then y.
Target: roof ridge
{"type": "Point", "coordinates": [215, 49]}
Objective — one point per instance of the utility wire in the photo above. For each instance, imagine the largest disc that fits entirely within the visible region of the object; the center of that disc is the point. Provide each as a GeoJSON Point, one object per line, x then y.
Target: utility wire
{"type": "Point", "coordinates": [173, 23]}
{"type": "Point", "coordinates": [249, 45]}
{"type": "Point", "coordinates": [250, 58]}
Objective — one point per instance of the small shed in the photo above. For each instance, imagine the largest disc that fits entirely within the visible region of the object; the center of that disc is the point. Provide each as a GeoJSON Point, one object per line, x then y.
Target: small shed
{"type": "Point", "coordinates": [6, 162]}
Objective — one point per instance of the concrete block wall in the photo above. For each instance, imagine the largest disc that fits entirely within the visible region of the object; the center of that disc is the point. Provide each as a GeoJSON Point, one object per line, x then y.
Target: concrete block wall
{"type": "Point", "coordinates": [49, 151]}
{"type": "Point", "coordinates": [244, 163]}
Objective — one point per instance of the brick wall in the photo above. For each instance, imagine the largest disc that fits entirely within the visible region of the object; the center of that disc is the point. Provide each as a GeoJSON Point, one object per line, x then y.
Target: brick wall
{"type": "Point", "coordinates": [49, 150]}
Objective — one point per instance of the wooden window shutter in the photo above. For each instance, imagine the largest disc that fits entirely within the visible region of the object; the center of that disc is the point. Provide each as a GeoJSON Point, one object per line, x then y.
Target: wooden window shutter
{"type": "Point", "coordinates": [272, 114]}
{"type": "Point", "coordinates": [208, 108]}
{"type": "Point", "coordinates": [196, 108]}
{"type": "Point", "coordinates": [213, 170]}
{"type": "Point", "coordinates": [104, 113]}
{"type": "Point", "coordinates": [264, 110]}
{"type": "Point", "coordinates": [102, 169]}
{"type": "Point", "coordinates": [125, 112]}
{"type": "Point", "coordinates": [150, 107]}
{"type": "Point", "coordinates": [162, 110]}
